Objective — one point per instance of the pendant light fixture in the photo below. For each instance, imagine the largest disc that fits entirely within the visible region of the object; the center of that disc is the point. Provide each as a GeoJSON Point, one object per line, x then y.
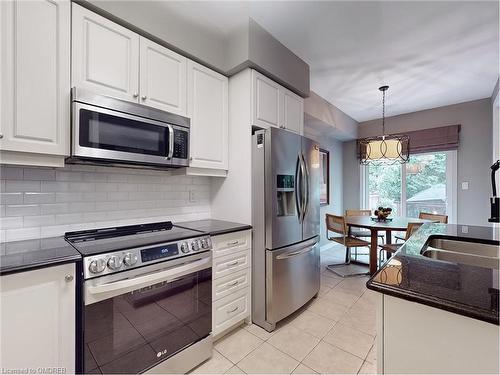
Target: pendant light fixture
{"type": "Point", "coordinates": [384, 149]}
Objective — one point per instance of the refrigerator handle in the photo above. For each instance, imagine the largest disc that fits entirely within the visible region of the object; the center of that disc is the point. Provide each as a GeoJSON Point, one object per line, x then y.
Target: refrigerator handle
{"type": "Point", "coordinates": [307, 189]}
{"type": "Point", "coordinates": [298, 189]}
{"type": "Point", "coordinates": [302, 188]}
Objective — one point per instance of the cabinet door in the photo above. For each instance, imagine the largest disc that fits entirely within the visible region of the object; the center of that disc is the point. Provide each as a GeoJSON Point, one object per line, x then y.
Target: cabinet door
{"type": "Point", "coordinates": [208, 110]}
{"type": "Point", "coordinates": [38, 319]}
{"type": "Point", "coordinates": [266, 101]}
{"type": "Point", "coordinates": [293, 111]}
{"type": "Point", "coordinates": [34, 106]}
{"type": "Point", "coordinates": [105, 56]}
{"type": "Point", "coordinates": [163, 78]}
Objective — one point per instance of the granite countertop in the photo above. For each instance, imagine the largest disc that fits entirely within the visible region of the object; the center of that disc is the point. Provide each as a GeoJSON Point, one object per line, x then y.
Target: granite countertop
{"type": "Point", "coordinates": [214, 227]}
{"type": "Point", "coordinates": [30, 254]}
{"type": "Point", "coordinates": [459, 288]}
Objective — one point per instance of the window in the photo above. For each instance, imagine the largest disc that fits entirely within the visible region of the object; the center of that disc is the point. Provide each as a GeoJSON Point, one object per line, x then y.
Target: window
{"type": "Point", "coordinates": [427, 183]}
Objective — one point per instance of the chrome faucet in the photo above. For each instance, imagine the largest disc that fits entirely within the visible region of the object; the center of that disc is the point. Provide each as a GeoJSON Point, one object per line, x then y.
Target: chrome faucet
{"type": "Point", "coordinates": [494, 200]}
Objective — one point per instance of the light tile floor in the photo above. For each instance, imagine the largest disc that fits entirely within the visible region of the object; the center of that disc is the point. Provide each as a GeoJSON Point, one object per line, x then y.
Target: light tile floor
{"type": "Point", "coordinates": [334, 333]}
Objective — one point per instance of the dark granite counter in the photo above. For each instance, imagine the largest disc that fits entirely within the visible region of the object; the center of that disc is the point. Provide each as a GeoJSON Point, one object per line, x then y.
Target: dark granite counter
{"type": "Point", "coordinates": [21, 256]}
{"type": "Point", "coordinates": [214, 227]}
{"type": "Point", "coordinates": [459, 288]}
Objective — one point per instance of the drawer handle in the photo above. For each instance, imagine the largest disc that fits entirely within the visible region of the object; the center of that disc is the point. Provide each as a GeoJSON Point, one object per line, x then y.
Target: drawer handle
{"type": "Point", "coordinates": [233, 310]}
{"type": "Point", "coordinates": [232, 264]}
{"type": "Point", "coordinates": [234, 243]}
{"type": "Point", "coordinates": [233, 283]}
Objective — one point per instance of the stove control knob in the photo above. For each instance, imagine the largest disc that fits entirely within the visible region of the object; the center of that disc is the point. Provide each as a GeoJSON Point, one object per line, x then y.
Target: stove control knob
{"type": "Point", "coordinates": [204, 243]}
{"type": "Point", "coordinates": [130, 259]}
{"type": "Point", "coordinates": [184, 247]}
{"type": "Point", "coordinates": [97, 265]}
{"type": "Point", "coordinates": [195, 245]}
{"type": "Point", "coordinates": [114, 262]}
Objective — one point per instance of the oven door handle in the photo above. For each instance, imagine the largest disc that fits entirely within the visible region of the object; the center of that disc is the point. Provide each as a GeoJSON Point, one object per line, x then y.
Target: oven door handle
{"type": "Point", "coordinates": [95, 293]}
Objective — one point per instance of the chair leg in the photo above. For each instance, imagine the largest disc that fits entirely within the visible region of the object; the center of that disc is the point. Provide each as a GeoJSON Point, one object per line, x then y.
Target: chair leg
{"type": "Point", "coordinates": [346, 263]}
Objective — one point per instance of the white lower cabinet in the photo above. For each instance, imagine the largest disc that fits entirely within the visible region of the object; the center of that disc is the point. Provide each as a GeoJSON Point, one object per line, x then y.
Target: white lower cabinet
{"type": "Point", "coordinates": [231, 293]}
{"type": "Point", "coordinates": [38, 320]}
{"type": "Point", "coordinates": [418, 339]}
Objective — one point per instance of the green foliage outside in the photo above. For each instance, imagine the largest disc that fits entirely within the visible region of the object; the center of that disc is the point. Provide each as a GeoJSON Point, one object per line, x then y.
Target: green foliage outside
{"type": "Point", "coordinates": [385, 180]}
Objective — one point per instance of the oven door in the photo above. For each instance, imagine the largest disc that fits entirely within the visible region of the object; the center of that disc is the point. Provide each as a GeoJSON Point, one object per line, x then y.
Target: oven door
{"type": "Point", "coordinates": [136, 319]}
{"type": "Point", "coordinates": [108, 135]}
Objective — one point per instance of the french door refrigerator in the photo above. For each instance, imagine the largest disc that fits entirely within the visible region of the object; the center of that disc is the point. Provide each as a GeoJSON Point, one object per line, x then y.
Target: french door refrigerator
{"type": "Point", "coordinates": [285, 219]}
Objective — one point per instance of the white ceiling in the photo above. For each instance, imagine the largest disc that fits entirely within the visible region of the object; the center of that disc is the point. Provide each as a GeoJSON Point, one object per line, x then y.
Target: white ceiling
{"type": "Point", "coordinates": [430, 53]}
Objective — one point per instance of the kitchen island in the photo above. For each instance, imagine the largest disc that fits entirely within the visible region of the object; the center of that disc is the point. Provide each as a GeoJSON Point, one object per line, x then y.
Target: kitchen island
{"type": "Point", "coordinates": [438, 307]}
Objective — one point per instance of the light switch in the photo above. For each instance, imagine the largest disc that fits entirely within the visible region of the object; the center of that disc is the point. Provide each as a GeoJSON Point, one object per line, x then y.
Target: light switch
{"type": "Point", "coordinates": [465, 185]}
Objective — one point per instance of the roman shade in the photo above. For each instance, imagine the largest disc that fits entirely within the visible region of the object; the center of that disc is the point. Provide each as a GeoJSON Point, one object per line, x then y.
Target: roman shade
{"type": "Point", "coordinates": [443, 138]}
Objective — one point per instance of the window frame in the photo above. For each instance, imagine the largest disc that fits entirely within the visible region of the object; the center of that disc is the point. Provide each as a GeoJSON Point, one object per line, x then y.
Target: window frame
{"type": "Point", "coordinates": [451, 188]}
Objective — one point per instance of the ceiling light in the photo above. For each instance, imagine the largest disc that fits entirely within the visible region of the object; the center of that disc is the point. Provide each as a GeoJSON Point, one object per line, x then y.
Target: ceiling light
{"type": "Point", "coordinates": [385, 149]}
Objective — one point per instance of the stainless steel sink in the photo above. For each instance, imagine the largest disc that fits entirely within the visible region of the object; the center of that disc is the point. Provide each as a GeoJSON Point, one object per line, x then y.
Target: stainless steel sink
{"type": "Point", "coordinates": [464, 252]}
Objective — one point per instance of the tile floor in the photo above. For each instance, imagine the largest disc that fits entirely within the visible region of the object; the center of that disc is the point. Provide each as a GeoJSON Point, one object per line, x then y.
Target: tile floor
{"type": "Point", "coordinates": [334, 333]}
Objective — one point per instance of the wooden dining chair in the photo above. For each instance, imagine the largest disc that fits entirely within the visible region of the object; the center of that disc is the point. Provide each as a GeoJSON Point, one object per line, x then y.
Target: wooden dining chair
{"type": "Point", "coordinates": [392, 248]}
{"type": "Point", "coordinates": [336, 224]}
{"type": "Point", "coordinates": [437, 218]}
{"type": "Point", "coordinates": [361, 233]}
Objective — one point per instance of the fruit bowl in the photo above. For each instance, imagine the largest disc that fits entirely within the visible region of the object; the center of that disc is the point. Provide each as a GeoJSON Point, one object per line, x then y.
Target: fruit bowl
{"type": "Point", "coordinates": [382, 214]}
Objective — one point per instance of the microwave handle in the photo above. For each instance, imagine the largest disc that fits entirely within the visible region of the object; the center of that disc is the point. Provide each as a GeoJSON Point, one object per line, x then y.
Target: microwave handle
{"type": "Point", "coordinates": [170, 142]}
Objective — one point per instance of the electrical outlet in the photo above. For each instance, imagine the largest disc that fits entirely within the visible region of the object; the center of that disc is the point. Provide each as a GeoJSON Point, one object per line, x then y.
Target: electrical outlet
{"type": "Point", "coordinates": [192, 196]}
{"type": "Point", "coordinates": [465, 185]}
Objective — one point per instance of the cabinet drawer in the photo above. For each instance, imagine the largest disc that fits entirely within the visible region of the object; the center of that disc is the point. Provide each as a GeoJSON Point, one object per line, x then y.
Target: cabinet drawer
{"type": "Point", "coordinates": [231, 242]}
{"type": "Point", "coordinates": [226, 285]}
{"type": "Point", "coordinates": [231, 263]}
{"type": "Point", "coordinates": [230, 310]}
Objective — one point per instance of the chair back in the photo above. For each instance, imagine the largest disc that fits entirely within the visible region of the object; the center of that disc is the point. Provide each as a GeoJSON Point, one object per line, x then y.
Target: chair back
{"type": "Point", "coordinates": [434, 217]}
{"type": "Point", "coordinates": [335, 224]}
{"type": "Point", "coordinates": [411, 228]}
{"type": "Point", "coordinates": [358, 212]}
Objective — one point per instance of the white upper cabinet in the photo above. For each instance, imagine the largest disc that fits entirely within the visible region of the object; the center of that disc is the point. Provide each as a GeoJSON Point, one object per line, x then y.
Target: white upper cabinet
{"type": "Point", "coordinates": [274, 105]}
{"type": "Point", "coordinates": [35, 80]}
{"type": "Point", "coordinates": [105, 56]}
{"type": "Point", "coordinates": [38, 319]}
{"type": "Point", "coordinates": [293, 111]}
{"type": "Point", "coordinates": [266, 101]}
{"type": "Point", "coordinates": [208, 110]}
{"type": "Point", "coordinates": [162, 78]}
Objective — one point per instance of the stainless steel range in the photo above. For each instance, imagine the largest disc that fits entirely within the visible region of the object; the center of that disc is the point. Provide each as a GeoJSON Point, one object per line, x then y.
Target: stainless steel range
{"type": "Point", "coordinates": [147, 295]}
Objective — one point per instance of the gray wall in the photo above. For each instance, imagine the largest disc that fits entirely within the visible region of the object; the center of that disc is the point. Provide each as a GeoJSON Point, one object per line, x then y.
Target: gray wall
{"type": "Point", "coordinates": [351, 176]}
{"type": "Point", "coordinates": [473, 157]}
{"type": "Point", "coordinates": [336, 181]}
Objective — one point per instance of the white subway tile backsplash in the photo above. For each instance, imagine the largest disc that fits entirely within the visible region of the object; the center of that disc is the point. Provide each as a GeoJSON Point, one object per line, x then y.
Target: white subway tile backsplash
{"type": "Point", "coordinates": [55, 208]}
{"type": "Point", "coordinates": [11, 222]}
{"type": "Point", "coordinates": [11, 198]}
{"type": "Point", "coordinates": [11, 173]}
{"type": "Point", "coordinates": [46, 202]}
{"type": "Point", "coordinates": [21, 234]}
{"type": "Point", "coordinates": [39, 198]}
{"type": "Point", "coordinates": [22, 210]}
{"type": "Point", "coordinates": [14, 186]}
{"type": "Point", "coordinates": [39, 174]}
{"type": "Point", "coordinates": [39, 221]}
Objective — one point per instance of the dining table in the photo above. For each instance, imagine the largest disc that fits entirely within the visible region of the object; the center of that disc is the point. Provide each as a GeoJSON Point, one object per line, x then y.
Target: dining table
{"type": "Point", "coordinates": [398, 224]}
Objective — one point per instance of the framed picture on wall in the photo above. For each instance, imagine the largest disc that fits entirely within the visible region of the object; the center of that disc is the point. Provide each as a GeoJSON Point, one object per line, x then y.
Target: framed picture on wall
{"type": "Point", "coordinates": [324, 179]}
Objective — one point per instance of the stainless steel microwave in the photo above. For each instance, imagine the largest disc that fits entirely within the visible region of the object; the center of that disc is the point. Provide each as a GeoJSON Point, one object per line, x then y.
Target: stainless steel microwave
{"type": "Point", "coordinates": [110, 131]}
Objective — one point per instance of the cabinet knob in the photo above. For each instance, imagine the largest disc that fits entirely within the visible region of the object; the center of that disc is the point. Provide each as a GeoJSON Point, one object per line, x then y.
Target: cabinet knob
{"type": "Point", "coordinates": [143, 97]}
{"type": "Point", "coordinates": [68, 278]}
{"type": "Point", "coordinates": [136, 95]}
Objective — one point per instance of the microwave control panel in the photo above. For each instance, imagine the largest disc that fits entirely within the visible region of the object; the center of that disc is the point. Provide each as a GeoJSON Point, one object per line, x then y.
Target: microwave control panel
{"type": "Point", "coordinates": [181, 139]}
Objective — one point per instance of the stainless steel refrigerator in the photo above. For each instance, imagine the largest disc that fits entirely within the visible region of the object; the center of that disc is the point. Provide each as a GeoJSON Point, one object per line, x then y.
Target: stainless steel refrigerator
{"type": "Point", "coordinates": [285, 219]}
